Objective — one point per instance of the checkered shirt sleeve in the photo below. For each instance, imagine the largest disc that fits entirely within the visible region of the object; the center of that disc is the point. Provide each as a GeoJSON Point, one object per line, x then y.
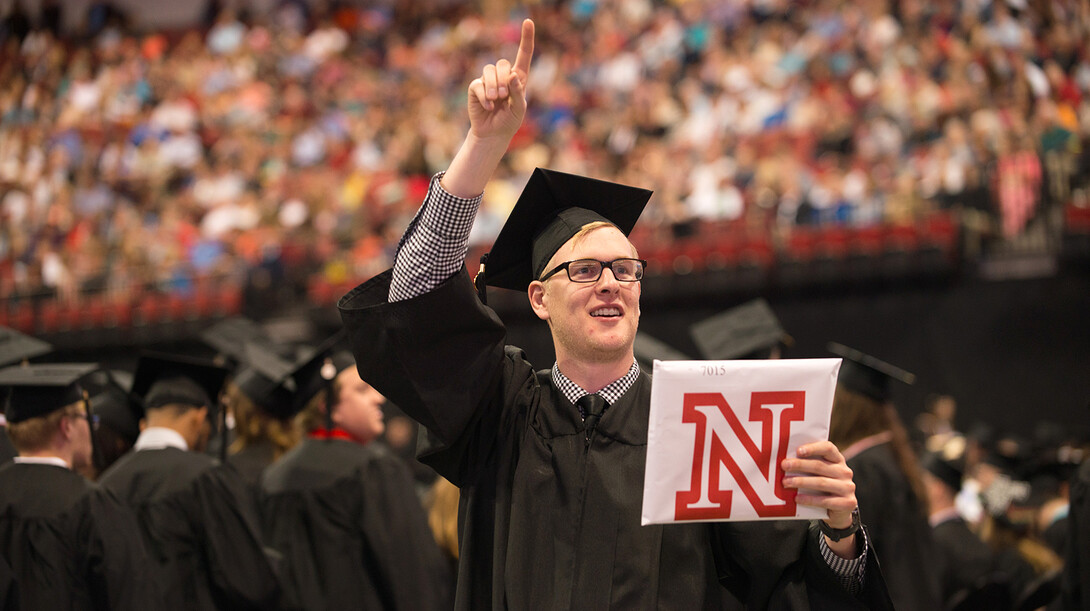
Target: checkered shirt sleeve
{"type": "Point", "coordinates": [850, 571]}
{"type": "Point", "coordinates": [435, 244]}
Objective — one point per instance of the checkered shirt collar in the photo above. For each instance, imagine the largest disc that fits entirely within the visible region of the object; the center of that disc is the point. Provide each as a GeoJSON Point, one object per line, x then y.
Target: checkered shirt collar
{"type": "Point", "coordinates": [611, 393]}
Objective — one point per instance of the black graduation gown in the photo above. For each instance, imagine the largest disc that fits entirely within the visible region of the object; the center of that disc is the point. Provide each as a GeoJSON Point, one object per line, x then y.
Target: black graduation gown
{"type": "Point", "coordinates": [9, 590]}
{"type": "Point", "coordinates": [7, 451]}
{"type": "Point", "coordinates": [899, 531]}
{"type": "Point", "coordinates": [251, 462]}
{"type": "Point", "coordinates": [545, 521]}
{"type": "Point", "coordinates": [963, 560]}
{"type": "Point", "coordinates": [69, 544]}
{"type": "Point", "coordinates": [1076, 579]}
{"type": "Point", "coordinates": [351, 530]}
{"type": "Point", "coordinates": [200, 523]}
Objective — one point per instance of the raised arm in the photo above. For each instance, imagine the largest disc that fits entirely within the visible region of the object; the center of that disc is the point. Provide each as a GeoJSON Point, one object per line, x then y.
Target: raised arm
{"type": "Point", "coordinates": [435, 244]}
{"type": "Point", "coordinates": [497, 105]}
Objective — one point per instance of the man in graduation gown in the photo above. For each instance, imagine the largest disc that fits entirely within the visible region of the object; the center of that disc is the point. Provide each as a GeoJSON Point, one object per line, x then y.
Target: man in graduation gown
{"type": "Point", "coordinates": [342, 509]}
{"type": "Point", "coordinates": [16, 347]}
{"type": "Point", "coordinates": [199, 518]}
{"type": "Point", "coordinates": [550, 463]}
{"type": "Point", "coordinates": [962, 559]}
{"type": "Point", "coordinates": [64, 543]}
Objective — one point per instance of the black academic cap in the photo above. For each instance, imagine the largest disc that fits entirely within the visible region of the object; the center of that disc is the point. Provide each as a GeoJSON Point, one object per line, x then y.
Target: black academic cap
{"type": "Point", "coordinates": [16, 347]}
{"type": "Point", "coordinates": [113, 404]}
{"type": "Point", "coordinates": [33, 391]}
{"type": "Point", "coordinates": [314, 371]}
{"type": "Point", "coordinates": [552, 208]}
{"type": "Point", "coordinates": [165, 379]}
{"type": "Point", "coordinates": [739, 332]}
{"type": "Point", "coordinates": [867, 375]}
{"type": "Point", "coordinates": [266, 379]}
{"type": "Point", "coordinates": [230, 337]}
{"type": "Point", "coordinates": [949, 472]}
{"type": "Point", "coordinates": [648, 349]}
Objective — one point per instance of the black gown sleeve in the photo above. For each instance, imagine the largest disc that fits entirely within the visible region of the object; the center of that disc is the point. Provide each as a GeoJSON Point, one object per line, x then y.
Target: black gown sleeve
{"type": "Point", "coordinates": [226, 520]}
{"type": "Point", "coordinates": [440, 357]}
{"type": "Point", "coordinates": [120, 569]}
{"type": "Point", "coordinates": [778, 565]}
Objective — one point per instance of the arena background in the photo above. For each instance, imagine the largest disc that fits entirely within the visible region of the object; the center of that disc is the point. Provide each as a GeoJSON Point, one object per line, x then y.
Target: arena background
{"type": "Point", "coordinates": [1006, 332]}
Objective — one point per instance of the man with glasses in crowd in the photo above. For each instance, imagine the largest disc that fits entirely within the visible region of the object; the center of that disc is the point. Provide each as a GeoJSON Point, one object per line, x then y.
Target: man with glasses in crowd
{"type": "Point", "coordinates": [550, 463]}
{"type": "Point", "coordinates": [67, 543]}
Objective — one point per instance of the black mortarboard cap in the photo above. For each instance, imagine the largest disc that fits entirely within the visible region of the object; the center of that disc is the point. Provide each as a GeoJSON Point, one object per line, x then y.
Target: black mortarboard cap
{"type": "Point", "coordinates": [113, 404]}
{"type": "Point", "coordinates": [33, 391]}
{"type": "Point", "coordinates": [738, 332]}
{"type": "Point", "coordinates": [552, 208]}
{"type": "Point", "coordinates": [311, 374]}
{"type": "Point", "coordinates": [949, 472]}
{"type": "Point", "coordinates": [168, 379]}
{"type": "Point", "coordinates": [230, 337]}
{"type": "Point", "coordinates": [266, 379]}
{"type": "Point", "coordinates": [16, 347]}
{"type": "Point", "coordinates": [647, 349]}
{"type": "Point", "coordinates": [867, 375]}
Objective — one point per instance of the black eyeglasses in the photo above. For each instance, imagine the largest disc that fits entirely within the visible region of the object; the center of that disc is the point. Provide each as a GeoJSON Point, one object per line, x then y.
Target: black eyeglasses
{"type": "Point", "coordinates": [590, 270]}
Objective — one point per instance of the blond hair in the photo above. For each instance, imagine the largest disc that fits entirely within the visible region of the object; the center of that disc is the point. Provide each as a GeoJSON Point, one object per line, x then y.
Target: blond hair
{"type": "Point", "coordinates": [37, 434]}
{"type": "Point", "coordinates": [441, 504]}
{"type": "Point", "coordinates": [253, 425]}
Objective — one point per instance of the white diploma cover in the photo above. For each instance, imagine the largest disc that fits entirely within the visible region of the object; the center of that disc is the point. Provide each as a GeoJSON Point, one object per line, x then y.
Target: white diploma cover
{"type": "Point", "coordinates": [719, 431]}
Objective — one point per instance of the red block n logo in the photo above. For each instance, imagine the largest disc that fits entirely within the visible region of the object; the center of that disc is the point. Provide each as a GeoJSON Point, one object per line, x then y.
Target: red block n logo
{"type": "Point", "coordinates": [715, 421]}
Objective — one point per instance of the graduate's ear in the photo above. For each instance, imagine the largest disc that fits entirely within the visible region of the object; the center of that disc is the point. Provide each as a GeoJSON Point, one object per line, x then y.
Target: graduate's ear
{"type": "Point", "coordinates": [536, 293]}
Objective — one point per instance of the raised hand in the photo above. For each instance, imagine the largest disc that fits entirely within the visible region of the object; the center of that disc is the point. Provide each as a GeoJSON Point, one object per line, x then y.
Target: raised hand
{"type": "Point", "coordinates": [497, 99]}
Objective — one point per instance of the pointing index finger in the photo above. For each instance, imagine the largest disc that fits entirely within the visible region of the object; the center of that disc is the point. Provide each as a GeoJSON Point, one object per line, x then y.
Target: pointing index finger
{"type": "Point", "coordinates": [526, 50]}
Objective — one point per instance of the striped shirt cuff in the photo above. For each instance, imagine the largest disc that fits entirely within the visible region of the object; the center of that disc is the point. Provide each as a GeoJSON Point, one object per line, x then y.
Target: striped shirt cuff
{"type": "Point", "coordinates": [850, 571]}
{"type": "Point", "coordinates": [435, 243]}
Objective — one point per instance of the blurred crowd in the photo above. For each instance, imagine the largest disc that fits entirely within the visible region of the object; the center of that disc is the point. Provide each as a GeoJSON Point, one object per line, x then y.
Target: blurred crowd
{"type": "Point", "coordinates": [299, 142]}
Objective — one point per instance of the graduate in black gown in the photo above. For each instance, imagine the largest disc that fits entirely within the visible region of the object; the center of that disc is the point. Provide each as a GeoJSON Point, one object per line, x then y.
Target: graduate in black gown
{"type": "Point", "coordinates": [198, 517]}
{"type": "Point", "coordinates": [892, 499]}
{"type": "Point", "coordinates": [551, 499]}
{"type": "Point", "coordinates": [342, 509]}
{"type": "Point", "coordinates": [118, 417]}
{"type": "Point", "coordinates": [263, 429]}
{"type": "Point", "coordinates": [16, 347]}
{"type": "Point", "coordinates": [64, 543]}
{"type": "Point", "coordinates": [964, 562]}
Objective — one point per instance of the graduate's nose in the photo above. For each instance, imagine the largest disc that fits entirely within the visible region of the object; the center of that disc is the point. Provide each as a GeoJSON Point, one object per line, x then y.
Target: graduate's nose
{"type": "Point", "coordinates": [607, 282]}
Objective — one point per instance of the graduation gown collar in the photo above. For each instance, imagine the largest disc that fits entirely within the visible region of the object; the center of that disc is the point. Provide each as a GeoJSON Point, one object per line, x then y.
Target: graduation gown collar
{"type": "Point", "coordinates": [624, 420]}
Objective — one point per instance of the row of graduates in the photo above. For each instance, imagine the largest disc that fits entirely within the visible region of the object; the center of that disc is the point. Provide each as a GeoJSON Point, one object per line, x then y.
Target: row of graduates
{"type": "Point", "coordinates": [115, 498]}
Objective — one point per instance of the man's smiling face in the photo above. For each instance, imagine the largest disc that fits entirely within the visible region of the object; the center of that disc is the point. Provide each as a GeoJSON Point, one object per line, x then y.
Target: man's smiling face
{"type": "Point", "coordinates": [594, 321]}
